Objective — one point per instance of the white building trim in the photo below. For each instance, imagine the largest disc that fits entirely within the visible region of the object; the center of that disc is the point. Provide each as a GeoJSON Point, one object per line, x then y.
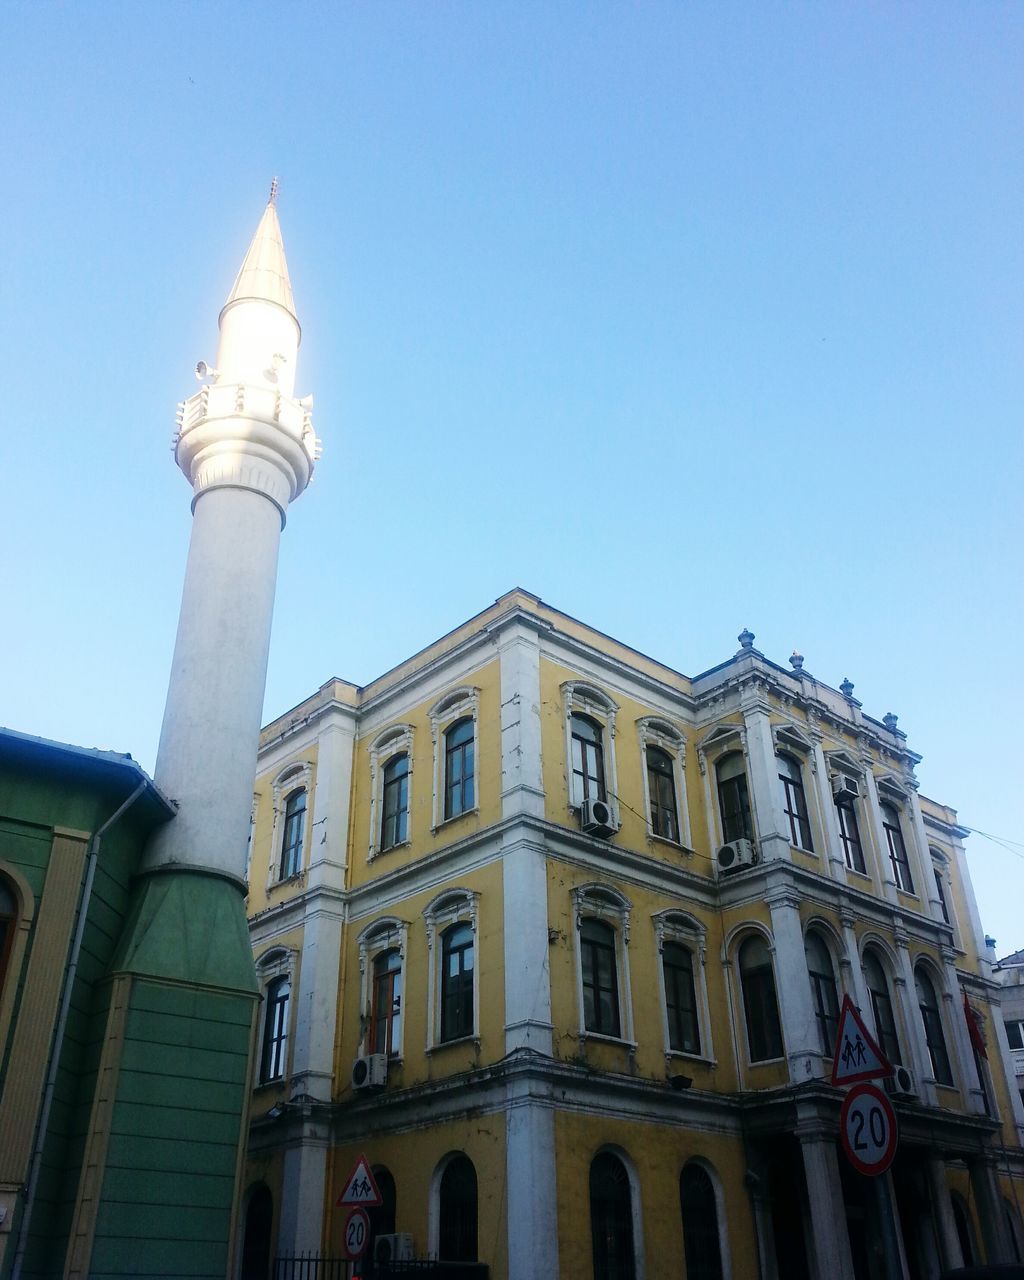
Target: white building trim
{"type": "Point", "coordinates": [390, 742]}
{"type": "Point", "coordinates": [456, 704]}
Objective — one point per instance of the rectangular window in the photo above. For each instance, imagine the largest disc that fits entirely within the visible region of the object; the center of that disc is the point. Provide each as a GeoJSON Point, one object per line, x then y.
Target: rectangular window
{"type": "Point", "coordinates": [458, 769]}
{"type": "Point", "coordinates": [457, 982]}
{"type": "Point", "coordinates": [386, 1013]}
{"type": "Point", "coordinates": [942, 895]}
{"type": "Point", "coordinates": [898, 859]}
{"type": "Point", "coordinates": [600, 981]}
{"type": "Point", "coordinates": [849, 834]}
{"type": "Point", "coordinates": [275, 1030]}
{"type": "Point", "coordinates": [395, 824]}
{"type": "Point", "coordinates": [680, 999]}
{"type": "Point", "coordinates": [735, 806]}
{"type": "Point", "coordinates": [661, 792]}
{"type": "Point", "coordinates": [1015, 1033]}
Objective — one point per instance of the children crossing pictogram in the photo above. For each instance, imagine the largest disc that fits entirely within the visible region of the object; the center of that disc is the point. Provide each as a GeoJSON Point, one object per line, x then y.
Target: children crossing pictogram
{"type": "Point", "coordinates": [360, 1187]}
{"type": "Point", "coordinates": [856, 1056]}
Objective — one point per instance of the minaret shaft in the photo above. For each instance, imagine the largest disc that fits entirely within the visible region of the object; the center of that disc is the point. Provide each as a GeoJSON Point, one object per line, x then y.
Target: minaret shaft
{"type": "Point", "coordinates": [207, 754]}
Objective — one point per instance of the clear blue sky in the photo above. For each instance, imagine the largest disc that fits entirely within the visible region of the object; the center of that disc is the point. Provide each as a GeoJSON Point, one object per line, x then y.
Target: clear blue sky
{"type": "Point", "coordinates": [684, 317]}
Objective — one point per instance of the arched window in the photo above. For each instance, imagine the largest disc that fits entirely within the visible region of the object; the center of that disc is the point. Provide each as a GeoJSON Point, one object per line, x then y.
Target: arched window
{"type": "Point", "coordinates": [384, 1215]}
{"type": "Point", "coordinates": [933, 1033]}
{"type": "Point", "coordinates": [587, 760]}
{"type": "Point", "coordinates": [700, 1224]}
{"type": "Point", "coordinates": [1013, 1230]}
{"type": "Point", "coordinates": [733, 798]}
{"type": "Point", "coordinates": [760, 1007]}
{"type": "Point", "coordinates": [661, 790]}
{"type": "Point", "coordinates": [386, 1007]}
{"type": "Point", "coordinates": [794, 802]}
{"type": "Point", "coordinates": [459, 774]}
{"type": "Point", "coordinates": [394, 828]}
{"type": "Point", "coordinates": [881, 1007]}
{"type": "Point", "coordinates": [611, 1219]}
{"type": "Point", "coordinates": [964, 1229]}
{"type": "Point", "coordinates": [259, 1223]}
{"type": "Point", "coordinates": [8, 925]}
{"type": "Point", "coordinates": [458, 1211]}
{"type": "Point", "coordinates": [600, 978]}
{"type": "Point", "coordinates": [275, 1030]}
{"type": "Point", "coordinates": [680, 998]}
{"type": "Point", "coordinates": [457, 964]}
{"type": "Point", "coordinates": [898, 860]}
{"type": "Point", "coordinates": [294, 832]}
{"type": "Point", "coordinates": [823, 989]}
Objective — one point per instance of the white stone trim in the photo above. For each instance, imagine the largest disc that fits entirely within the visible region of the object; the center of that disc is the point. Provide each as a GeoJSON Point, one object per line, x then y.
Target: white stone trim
{"type": "Point", "coordinates": [720, 1205]}
{"type": "Point", "coordinates": [587, 699]}
{"type": "Point", "coordinates": [721, 741]}
{"type": "Point", "coordinates": [606, 903]}
{"type": "Point", "coordinates": [672, 925]}
{"type": "Point", "coordinates": [384, 934]}
{"type": "Point", "coordinates": [456, 704]}
{"type": "Point", "coordinates": [636, 1209]}
{"type": "Point", "coordinates": [658, 731]}
{"type": "Point", "coordinates": [294, 776]}
{"type": "Point", "coordinates": [447, 908]}
{"type": "Point", "coordinates": [392, 741]}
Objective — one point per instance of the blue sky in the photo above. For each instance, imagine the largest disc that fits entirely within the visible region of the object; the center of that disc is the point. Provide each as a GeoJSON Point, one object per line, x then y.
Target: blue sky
{"type": "Point", "coordinates": [684, 317]}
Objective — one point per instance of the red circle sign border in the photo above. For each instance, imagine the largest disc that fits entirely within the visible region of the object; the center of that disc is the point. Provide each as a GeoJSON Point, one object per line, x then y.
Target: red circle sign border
{"type": "Point", "coordinates": [880, 1166]}
{"type": "Point", "coordinates": [355, 1212]}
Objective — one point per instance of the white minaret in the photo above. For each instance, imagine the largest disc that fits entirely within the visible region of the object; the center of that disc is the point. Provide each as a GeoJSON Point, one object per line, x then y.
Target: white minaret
{"type": "Point", "coordinates": [247, 447]}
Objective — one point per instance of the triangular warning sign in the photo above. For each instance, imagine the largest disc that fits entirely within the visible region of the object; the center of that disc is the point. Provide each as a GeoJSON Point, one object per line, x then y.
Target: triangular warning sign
{"type": "Point", "coordinates": [856, 1056]}
{"type": "Point", "coordinates": [360, 1187]}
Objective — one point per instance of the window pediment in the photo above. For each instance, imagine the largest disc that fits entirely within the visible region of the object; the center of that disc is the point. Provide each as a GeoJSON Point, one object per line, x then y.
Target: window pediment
{"type": "Point", "coordinates": [787, 737]}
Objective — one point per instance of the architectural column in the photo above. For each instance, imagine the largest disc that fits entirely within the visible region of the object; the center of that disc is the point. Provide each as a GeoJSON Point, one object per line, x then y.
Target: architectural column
{"type": "Point", "coordinates": [1004, 1059]}
{"type": "Point", "coordinates": [920, 1058]}
{"type": "Point", "coordinates": [923, 864]}
{"type": "Point", "coordinates": [332, 799]}
{"type": "Point", "coordinates": [828, 1237]}
{"type": "Point", "coordinates": [796, 1006]}
{"type": "Point", "coordinates": [896, 1266]}
{"type": "Point", "coordinates": [532, 1192]}
{"type": "Point", "coordinates": [851, 966]}
{"type": "Point", "coordinates": [522, 779]}
{"type": "Point", "coordinates": [833, 853]}
{"type": "Point", "coordinates": [878, 841]}
{"type": "Point", "coordinates": [766, 795]}
{"type": "Point", "coordinates": [963, 1050]}
{"type": "Point", "coordinates": [942, 1208]}
{"type": "Point", "coordinates": [527, 970]}
{"type": "Point", "coordinates": [303, 1181]}
{"type": "Point", "coordinates": [994, 1230]}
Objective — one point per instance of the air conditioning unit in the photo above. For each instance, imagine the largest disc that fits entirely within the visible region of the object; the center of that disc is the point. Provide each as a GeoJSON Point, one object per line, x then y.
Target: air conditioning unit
{"type": "Point", "coordinates": [844, 787]}
{"type": "Point", "coordinates": [736, 855]}
{"type": "Point", "coordinates": [370, 1071]}
{"type": "Point", "coordinates": [597, 818]}
{"type": "Point", "coordinates": [393, 1248]}
{"type": "Point", "coordinates": [901, 1084]}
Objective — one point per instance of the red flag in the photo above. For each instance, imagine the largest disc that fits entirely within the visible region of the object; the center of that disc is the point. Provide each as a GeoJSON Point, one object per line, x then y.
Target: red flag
{"type": "Point", "coordinates": [974, 1028]}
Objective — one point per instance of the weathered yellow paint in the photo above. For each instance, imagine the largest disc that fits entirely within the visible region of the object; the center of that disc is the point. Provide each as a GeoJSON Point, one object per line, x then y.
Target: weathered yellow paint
{"type": "Point", "coordinates": [265, 889]}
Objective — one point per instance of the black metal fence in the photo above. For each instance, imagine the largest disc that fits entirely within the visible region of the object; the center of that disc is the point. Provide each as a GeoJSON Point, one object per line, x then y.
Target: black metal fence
{"type": "Point", "coordinates": [309, 1266]}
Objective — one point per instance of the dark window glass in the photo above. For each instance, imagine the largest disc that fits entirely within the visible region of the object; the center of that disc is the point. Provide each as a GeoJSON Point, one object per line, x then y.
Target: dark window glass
{"type": "Point", "coordinates": [849, 833]}
{"type": "Point", "coordinates": [700, 1224]}
{"type": "Point", "coordinates": [458, 769]}
{"type": "Point", "coordinates": [8, 922]}
{"type": "Point", "coordinates": [611, 1219]}
{"type": "Point", "coordinates": [941, 892]}
{"type": "Point", "coordinates": [384, 1215]}
{"type": "Point", "coordinates": [933, 1033]}
{"type": "Point", "coordinates": [600, 983]}
{"type": "Point", "coordinates": [897, 848]}
{"type": "Point", "coordinates": [457, 982]}
{"type": "Point", "coordinates": [294, 829]}
{"type": "Point", "coordinates": [760, 1007]}
{"type": "Point", "coordinates": [386, 1014]}
{"type": "Point", "coordinates": [1015, 1034]}
{"type": "Point", "coordinates": [458, 1211]}
{"type": "Point", "coordinates": [680, 998]}
{"type": "Point", "coordinates": [587, 761]}
{"type": "Point", "coordinates": [881, 1007]}
{"type": "Point", "coordinates": [823, 989]}
{"type": "Point", "coordinates": [733, 799]}
{"type": "Point", "coordinates": [964, 1230]}
{"type": "Point", "coordinates": [794, 802]}
{"type": "Point", "coordinates": [661, 789]}
{"type": "Point", "coordinates": [275, 1030]}
{"type": "Point", "coordinates": [259, 1225]}
{"type": "Point", "coordinates": [395, 821]}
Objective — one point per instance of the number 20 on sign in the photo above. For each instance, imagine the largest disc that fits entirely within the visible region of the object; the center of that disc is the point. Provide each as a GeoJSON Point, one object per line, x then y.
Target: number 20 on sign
{"type": "Point", "coordinates": [356, 1234]}
{"type": "Point", "coordinates": [867, 1129]}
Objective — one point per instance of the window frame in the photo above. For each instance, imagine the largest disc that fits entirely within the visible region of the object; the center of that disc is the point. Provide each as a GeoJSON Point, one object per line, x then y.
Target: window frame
{"type": "Point", "coordinates": [296, 775]}
{"type": "Point", "coordinates": [455, 1022]}
{"type": "Point", "coordinates": [724, 1269]}
{"type": "Point", "coordinates": [275, 967]}
{"type": "Point", "coordinates": [389, 933]}
{"type": "Point", "coordinates": [827, 1020]}
{"type": "Point", "coordinates": [746, 1004]}
{"type": "Point", "coordinates": [292, 849]}
{"type": "Point", "coordinates": [936, 1041]}
{"type": "Point", "coordinates": [895, 847]}
{"type": "Point", "coordinates": [435, 1216]}
{"type": "Point", "coordinates": [676, 928]}
{"type": "Point", "coordinates": [607, 905]}
{"type": "Point", "coordinates": [395, 740]}
{"type": "Point", "coordinates": [634, 1215]}
{"type": "Point", "coordinates": [795, 795]}
{"type": "Point", "coordinates": [16, 943]}
{"type": "Point", "coordinates": [584, 699]}
{"type": "Point", "coordinates": [458, 704]}
{"type": "Point", "coordinates": [852, 843]}
{"type": "Point", "coordinates": [885, 1036]}
{"type": "Point", "coordinates": [746, 811]}
{"type": "Point", "coordinates": [453, 906]}
{"type": "Point", "coordinates": [660, 734]}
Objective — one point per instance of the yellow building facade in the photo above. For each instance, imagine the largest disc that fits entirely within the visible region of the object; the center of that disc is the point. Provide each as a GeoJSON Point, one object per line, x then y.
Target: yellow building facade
{"type": "Point", "coordinates": [557, 938]}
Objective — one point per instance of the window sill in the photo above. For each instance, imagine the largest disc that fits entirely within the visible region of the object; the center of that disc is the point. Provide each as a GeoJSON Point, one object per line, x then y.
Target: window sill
{"type": "Point", "coordinates": [674, 844]}
{"type": "Point", "coordinates": [798, 848]}
{"type": "Point", "coordinates": [682, 1055]}
{"type": "Point", "coordinates": [600, 1038]}
{"type": "Point", "coordinates": [295, 878]}
{"type": "Point", "coordinates": [448, 1044]}
{"type": "Point", "coordinates": [379, 853]}
{"type": "Point", "coordinates": [446, 822]}
{"type": "Point", "coordinates": [863, 875]}
{"type": "Point", "coordinates": [767, 1062]}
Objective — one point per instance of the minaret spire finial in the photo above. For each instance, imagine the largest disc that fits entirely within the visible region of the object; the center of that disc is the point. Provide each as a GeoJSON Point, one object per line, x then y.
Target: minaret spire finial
{"type": "Point", "coordinates": [273, 191]}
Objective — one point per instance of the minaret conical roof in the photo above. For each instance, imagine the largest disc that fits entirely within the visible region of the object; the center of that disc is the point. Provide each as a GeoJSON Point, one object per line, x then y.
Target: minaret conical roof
{"type": "Point", "coordinates": [264, 273]}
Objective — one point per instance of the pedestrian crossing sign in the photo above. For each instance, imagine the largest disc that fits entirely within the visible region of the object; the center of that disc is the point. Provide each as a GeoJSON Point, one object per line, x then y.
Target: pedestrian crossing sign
{"type": "Point", "coordinates": [856, 1056]}
{"type": "Point", "coordinates": [360, 1187]}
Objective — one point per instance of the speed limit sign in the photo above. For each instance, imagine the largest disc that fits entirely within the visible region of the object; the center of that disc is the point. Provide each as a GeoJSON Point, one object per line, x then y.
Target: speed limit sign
{"type": "Point", "coordinates": [355, 1235]}
{"type": "Point", "coordinates": [867, 1129]}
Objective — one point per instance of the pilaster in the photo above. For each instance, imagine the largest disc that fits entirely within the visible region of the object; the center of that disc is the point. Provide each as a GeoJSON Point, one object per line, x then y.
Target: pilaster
{"type": "Point", "coordinates": [772, 833]}
{"type": "Point", "coordinates": [920, 1058]}
{"type": "Point", "coordinates": [828, 1239]}
{"type": "Point", "coordinates": [522, 780]}
{"type": "Point", "coordinates": [879, 845]}
{"type": "Point", "coordinates": [796, 1005]}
